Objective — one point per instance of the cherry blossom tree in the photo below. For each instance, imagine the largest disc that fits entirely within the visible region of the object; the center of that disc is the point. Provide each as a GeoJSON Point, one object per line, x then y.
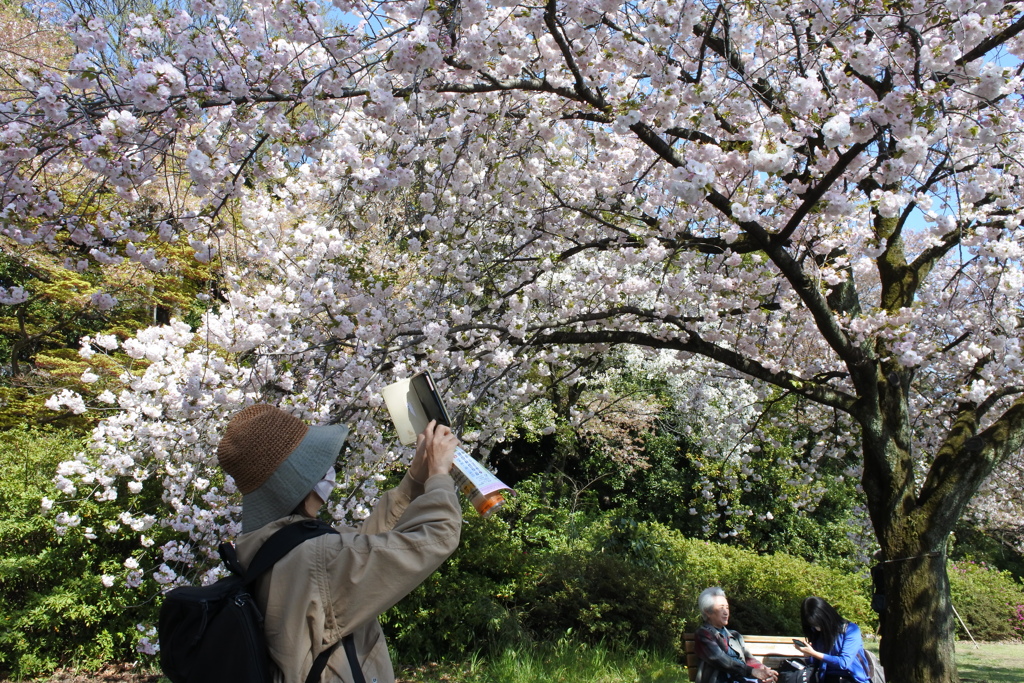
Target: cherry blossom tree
{"type": "Point", "coordinates": [822, 200]}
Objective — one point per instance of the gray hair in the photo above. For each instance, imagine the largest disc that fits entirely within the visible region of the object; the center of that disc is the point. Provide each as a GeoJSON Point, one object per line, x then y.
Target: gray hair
{"type": "Point", "coordinates": [707, 599]}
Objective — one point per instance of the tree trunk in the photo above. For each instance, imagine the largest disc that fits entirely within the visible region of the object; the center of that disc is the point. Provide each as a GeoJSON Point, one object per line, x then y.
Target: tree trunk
{"type": "Point", "coordinates": [912, 529]}
{"type": "Point", "coordinates": [917, 625]}
{"type": "Point", "coordinates": [913, 525]}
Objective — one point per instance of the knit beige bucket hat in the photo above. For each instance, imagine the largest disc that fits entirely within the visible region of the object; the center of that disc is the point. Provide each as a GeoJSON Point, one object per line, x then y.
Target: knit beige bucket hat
{"type": "Point", "coordinates": [275, 460]}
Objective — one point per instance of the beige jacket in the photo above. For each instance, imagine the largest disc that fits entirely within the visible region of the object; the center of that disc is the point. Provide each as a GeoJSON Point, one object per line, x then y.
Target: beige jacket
{"type": "Point", "coordinates": [338, 584]}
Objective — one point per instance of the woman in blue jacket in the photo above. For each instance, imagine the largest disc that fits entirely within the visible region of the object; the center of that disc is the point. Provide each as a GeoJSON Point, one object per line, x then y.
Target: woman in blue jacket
{"type": "Point", "coordinates": [836, 643]}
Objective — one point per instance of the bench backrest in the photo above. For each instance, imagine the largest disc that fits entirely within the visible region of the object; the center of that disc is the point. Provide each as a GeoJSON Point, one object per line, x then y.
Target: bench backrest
{"type": "Point", "coordinates": [769, 650]}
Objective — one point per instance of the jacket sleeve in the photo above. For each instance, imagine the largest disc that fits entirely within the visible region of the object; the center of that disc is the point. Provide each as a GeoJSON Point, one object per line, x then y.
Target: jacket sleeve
{"type": "Point", "coordinates": [391, 505]}
{"type": "Point", "coordinates": [709, 648]}
{"type": "Point", "coordinates": [843, 655]}
{"type": "Point", "coordinates": [751, 661]}
{"type": "Point", "coordinates": [363, 573]}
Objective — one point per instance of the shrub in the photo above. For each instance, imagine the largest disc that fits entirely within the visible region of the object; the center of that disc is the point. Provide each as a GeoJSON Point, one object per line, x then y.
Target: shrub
{"type": "Point", "coordinates": [990, 601]}
{"type": "Point", "coordinates": [535, 573]}
{"type": "Point", "coordinates": [765, 590]}
{"type": "Point", "coordinates": [529, 575]}
{"type": "Point", "coordinates": [640, 582]}
{"type": "Point", "coordinates": [55, 609]}
{"type": "Point", "coordinates": [604, 598]}
{"type": "Point", "coordinates": [469, 604]}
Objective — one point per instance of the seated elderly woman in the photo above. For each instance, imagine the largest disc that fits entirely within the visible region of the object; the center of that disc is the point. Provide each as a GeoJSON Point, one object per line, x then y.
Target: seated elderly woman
{"type": "Point", "coordinates": [723, 656]}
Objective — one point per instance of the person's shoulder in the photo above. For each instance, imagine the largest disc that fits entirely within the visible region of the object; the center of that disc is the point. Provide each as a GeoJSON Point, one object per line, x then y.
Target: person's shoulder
{"type": "Point", "coordinates": [249, 543]}
{"type": "Point", "coordinates": [258, 536]}
{"type": "Point", "coordinates": [704, 631]}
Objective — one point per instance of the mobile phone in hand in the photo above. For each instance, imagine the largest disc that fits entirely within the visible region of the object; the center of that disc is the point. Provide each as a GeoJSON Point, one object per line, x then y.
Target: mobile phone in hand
{"type": "Point", "coordinates": [799, 643]}
{"type": "Point", "coordinates": [430, 398]}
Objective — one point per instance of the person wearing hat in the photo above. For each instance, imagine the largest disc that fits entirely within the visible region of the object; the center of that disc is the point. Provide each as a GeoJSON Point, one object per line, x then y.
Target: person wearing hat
{"type": "Point", "coordinates": [335, 584]}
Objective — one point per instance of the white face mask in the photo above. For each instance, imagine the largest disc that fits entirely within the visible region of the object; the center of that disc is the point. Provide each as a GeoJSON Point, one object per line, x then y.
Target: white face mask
{"type": "Point", "coordinates": [324, 487]}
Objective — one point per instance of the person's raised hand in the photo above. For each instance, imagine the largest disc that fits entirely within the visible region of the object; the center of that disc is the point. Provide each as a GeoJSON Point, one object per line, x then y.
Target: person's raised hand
{"type": "Point", "coordinates": [435, 452]}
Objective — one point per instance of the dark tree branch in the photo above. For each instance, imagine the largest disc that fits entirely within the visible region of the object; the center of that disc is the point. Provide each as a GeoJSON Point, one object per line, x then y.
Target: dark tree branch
{"type": "Point", "coordinates": [991, 42]}
{"type": "Point", "coordinates": [812, 196]}
{"type": "Point", "coordinates": [809, 389]}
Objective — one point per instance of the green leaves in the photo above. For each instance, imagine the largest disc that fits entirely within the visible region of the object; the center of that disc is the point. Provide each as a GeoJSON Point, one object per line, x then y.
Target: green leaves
{"type": "Point", "coordinates": [55, 609]}
{"type": "Point", "coordinates": [536, 572]}
{"type": "Point", "coordinates": [989, 601]}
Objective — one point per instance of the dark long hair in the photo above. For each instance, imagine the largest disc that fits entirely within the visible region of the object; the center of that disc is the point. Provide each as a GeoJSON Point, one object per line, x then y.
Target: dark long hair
{"type": "Point", "coordinates": [817, 615]}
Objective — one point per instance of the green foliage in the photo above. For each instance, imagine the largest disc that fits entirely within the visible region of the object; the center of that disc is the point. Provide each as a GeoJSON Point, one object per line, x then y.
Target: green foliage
{"type": "Point", "coordinates": [54, 609]}
{"type": "Point", "coordinates": [986, 545]}
{"type": "Point", "coordinates": [659, 573]}
{"type": "Point", "coordinates": [669, 487]}
{"type": "Point", "coordinates": [536, 572]}
{"type": "Point", "coordinates": [990, 601]}
{"type": "Point", "coordinates": [777, 498]}
{"type": "Point", "coordinates": [51, 320]}
{"type": "Point", "coordinates": [604, 597]}
{"type": "Point", "coordinates": [551, 570]}
{"type": "Point", "coordinates": [40, 337]}
{"type": "Point", "coordinates": [468, 604]}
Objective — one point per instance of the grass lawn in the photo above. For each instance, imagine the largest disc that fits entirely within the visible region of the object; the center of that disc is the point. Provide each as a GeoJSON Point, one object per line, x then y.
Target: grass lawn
{"type": "Point", "coordinates": [990, 663]}
{"type": "Point", "coordinates": [573, 663]}
{"type": "Point", "coordinates": [986, 663]}
{"type": "Point", "coordinates": [563, 662]}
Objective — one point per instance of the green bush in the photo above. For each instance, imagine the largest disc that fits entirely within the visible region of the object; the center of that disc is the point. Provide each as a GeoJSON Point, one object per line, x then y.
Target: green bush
{"type": "Point", "coordinates": [604, 598]}
{"type": "Point", "coordinates": [640, 582]}
{"type": "Point", "coordinates": [990, 601]}
{"type": "Point", "coordinates": [534, 573]}
{"type": "Point", "coordinates": [55, 609]}
{"type": "Point", "coordinates": [765, 590]}
{"type": "Point", "coordinates": [469, 604]}
{"type": "Point", "coordinates": [978, 544]}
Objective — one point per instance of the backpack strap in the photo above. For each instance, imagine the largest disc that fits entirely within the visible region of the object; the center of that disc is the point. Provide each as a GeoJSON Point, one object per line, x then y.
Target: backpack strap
{"type": "Point", "coordinates": [866, 662]}
{"type": "Point", "coordinates": [320, 663]}
{"type": "Point", "coordinates": [350, 651]}
{"type": "Point", "coordinates": [283, 542]}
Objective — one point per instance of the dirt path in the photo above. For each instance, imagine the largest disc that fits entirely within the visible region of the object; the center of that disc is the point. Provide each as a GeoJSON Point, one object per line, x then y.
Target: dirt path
{"type": "Point", "coordinates": [111, 674]}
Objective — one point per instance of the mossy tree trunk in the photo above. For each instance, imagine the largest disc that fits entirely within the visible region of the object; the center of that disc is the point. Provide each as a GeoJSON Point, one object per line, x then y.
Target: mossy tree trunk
{"type": "Point", "coordinates": [913, 519]}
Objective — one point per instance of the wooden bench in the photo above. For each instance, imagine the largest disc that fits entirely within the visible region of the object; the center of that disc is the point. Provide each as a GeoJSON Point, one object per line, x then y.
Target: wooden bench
{"type": "Point", "coordinates": [769, 650]}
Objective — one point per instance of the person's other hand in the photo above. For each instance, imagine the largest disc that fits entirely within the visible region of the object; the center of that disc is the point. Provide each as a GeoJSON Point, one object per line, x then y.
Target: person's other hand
{"type": "Point", "coordinates": [809, 651]}
{"type": "Point", "coordinates": [763, 673]}
{"type": "Point", "coordinates": [435, 452]}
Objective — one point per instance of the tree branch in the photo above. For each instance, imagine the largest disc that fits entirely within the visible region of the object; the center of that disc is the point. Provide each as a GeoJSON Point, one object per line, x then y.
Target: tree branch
{"type": "Point", "coordinates": [965, 459]}
{"type": "Point", "coordinates": [992, 42]}
{"type": "Point", "coordinates": [814, 194]}
{"type": "Point", "coordinates": [806, 289]}
{"type": "Point", "coordinates": [582, 89]}
{"type": "Point", "coordinates": [809, 389]}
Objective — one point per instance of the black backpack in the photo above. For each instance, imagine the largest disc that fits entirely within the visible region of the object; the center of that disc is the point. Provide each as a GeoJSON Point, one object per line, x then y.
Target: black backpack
{"type": "Point", "coordinates": [215, 633]}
